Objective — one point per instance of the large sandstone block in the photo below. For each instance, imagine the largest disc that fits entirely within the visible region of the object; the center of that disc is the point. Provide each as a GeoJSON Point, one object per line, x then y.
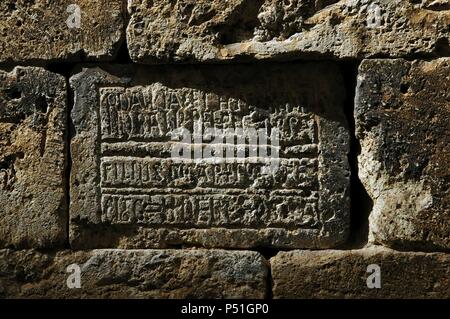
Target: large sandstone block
{"type": "Point", "coordinates": [43, 30]}
{"type": "Point", "coordinates": [402, 117]}
{"type": "Point", "coordinates": [33, 118]}
{"type": "Point", "coordinates": [345, 274]}
{"type": "Point", "coordinates": [133, 274]}
{"type": "Point", "coordinates": [127, 190]}
{"type": "Point", "coordinates": [221, 30]}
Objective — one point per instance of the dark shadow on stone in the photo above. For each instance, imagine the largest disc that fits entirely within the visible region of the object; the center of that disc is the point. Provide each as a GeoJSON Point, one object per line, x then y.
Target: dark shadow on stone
{"type": "Point", "coordinates": [123, 56]}
{"type": "Point", "coordinates": [361, 203]}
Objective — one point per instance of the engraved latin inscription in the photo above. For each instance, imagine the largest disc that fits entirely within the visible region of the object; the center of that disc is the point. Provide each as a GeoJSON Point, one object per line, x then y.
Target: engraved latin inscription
{"type": "Point", "coordinates": [142, 184]}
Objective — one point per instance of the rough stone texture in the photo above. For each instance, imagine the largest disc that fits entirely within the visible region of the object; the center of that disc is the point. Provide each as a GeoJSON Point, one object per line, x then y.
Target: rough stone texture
{"type": "Point", "coordinates": [134, 274]}
{"type": "Point", "coordinates": [33, 210]}
{"type": "Point", "coordinates": [343, 274]}
{"type": "Point", "coordinates": [402, 116]}
{"type": "Point", "coordinates": [221, 30]}
{"type": "Point", "coordinates": [126, 192]}
{"type": "Point", "coordinates": [38, 30]}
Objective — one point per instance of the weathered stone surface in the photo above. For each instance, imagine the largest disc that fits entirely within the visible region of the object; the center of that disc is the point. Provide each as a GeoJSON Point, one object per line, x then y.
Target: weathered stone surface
{"type": "Point", "coordinates": [134, 274]}
{"type": "Point", "coordinates": [48, 29]}
{"type": "Point", "coordinates": [127, 191]}
{"type": "Point", "coordinates": [222, 30]}
{"type": "Point", "coordinates": [402, 116]}
{"type": "Point", "coordinates": [33, 210]}
{"type": "Point", "coordinates": [343, 274]}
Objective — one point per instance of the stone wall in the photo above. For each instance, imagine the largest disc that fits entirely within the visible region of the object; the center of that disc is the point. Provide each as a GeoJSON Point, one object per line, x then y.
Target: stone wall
{"type": "Point", "coordinates": [130, 168]}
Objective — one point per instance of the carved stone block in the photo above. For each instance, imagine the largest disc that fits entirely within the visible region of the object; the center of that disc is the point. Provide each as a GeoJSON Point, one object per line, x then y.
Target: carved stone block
{"type": "Point", "coordinates": [402, 117]}
{"type": "Point", "coordinates": [127, 189]}
{"type": "Point", "coordinates": [124, 274]}
{"type": "Point", "coordinates": [223, 30]}
{"type": "Point", "coordinates": [375, 272]}
{"type": "Point", "coordinates": [33, 118]}
{"type": "Point", "coordinates": [60, 30]}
